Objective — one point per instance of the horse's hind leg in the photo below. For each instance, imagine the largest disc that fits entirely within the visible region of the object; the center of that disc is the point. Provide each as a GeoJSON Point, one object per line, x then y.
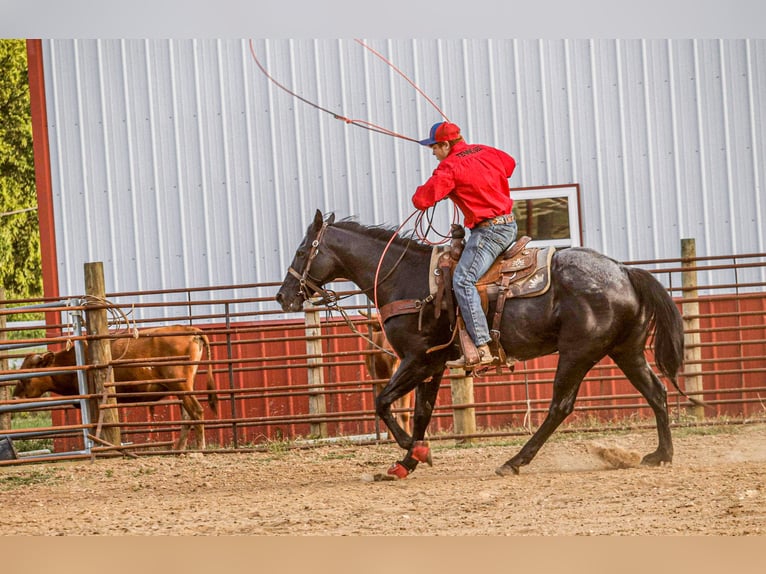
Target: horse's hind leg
{"type": "Point", "coordinates": [649, 385]}
{"type": "Point", "coordinates": [569, 375]}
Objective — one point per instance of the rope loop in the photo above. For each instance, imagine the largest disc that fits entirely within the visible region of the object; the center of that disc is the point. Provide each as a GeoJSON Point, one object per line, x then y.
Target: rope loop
{"type": "Point", "coordinates": [359, 123]}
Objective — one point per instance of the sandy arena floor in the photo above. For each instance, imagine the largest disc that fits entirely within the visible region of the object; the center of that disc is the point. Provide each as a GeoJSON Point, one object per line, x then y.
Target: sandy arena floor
{"type": "Point", "coordinates": [716, 486]}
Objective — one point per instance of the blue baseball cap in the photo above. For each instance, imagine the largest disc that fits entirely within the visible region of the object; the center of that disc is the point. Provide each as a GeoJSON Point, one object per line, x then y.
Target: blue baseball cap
{"type": "Point", "coordinates": [441, 132]}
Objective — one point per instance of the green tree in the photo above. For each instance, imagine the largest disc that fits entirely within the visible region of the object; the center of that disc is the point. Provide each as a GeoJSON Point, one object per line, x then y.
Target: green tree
{"type": "Point", "coordinates": [20, 262]}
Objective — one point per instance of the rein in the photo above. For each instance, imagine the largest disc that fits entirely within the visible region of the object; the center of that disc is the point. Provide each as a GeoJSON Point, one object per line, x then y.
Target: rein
{"type": "Point", "coordinates": [309, 286]}
{"type": "Point", "coordinates": [307, 282]}
{"type": "Point", "coordinates": [353, 328]}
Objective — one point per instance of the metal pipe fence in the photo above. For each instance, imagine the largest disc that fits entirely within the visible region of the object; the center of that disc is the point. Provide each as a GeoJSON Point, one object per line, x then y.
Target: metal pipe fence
{"type": "Point", "coordinates": [269, 383]}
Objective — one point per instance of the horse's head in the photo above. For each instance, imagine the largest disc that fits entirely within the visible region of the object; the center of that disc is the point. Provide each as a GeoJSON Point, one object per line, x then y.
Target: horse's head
{"type": "Point", "coordinates": [310, 269]}
{"type": "Point", "coordinates": [36, 386]}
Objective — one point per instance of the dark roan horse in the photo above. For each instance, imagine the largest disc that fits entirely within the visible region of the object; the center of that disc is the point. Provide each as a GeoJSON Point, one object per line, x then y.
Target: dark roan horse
{"type": "Point", "coordinates": [595, 307]}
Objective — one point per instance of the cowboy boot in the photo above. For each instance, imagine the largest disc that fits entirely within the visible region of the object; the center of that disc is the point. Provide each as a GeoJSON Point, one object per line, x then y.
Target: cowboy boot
{"type": "Point", "coordinates": [470, 352]}
{"type": "Point", "coordinates": [483, 358]}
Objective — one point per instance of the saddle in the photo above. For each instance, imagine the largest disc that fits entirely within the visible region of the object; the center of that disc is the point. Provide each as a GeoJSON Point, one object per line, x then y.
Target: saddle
{"type": "Point", "coordinates": [520, 271]}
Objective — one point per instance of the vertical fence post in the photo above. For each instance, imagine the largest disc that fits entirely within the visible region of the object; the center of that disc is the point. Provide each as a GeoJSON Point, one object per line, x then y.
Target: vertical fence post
{"type": "Point", "coordinates": [692, 349]}
{"type": "Point", "coordinates": [317, 405]}
{"type": "Point", "coordinates": [82, 378]}
{"type": "Point", "coordinates": [232, 396]}
{"type": "Point", "coordinates": [463, 418]}
{"type": "Point", "coordinates": [5, 418]}
{"type": "Point", "coordinates": [100, 354]}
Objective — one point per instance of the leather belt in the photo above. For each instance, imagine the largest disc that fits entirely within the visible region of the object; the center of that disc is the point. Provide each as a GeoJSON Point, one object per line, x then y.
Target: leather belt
{"type": "Point", "coordinates": [499, 220]}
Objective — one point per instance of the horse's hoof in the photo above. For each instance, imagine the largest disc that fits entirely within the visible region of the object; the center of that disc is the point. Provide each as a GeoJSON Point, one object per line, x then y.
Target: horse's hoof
{"type": "Point", "coordinates": [398, 470]}
{"type": "Point", "coordinates": [421, 452]}
{"type": "Point", "coordinates": [654, 459]}
{"type": "Point", "coordinates": [507, 470]}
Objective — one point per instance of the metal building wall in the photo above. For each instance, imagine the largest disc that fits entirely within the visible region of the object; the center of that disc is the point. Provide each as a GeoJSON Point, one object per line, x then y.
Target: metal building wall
{"type": "Point", "coordinates": [179, 164]}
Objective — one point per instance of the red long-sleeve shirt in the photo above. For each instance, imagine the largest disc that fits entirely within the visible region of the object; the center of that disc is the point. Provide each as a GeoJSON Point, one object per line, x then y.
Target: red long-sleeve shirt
{"type": "Point", "coordinates": [475, 177]}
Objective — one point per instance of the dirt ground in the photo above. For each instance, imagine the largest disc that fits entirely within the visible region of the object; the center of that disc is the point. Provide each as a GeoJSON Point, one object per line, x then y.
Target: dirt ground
{"type": "Point", "coordinates": [716, 486]}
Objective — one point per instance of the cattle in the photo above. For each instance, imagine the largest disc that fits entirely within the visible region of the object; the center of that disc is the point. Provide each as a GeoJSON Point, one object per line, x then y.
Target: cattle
{"type": "Point", "coordinates": [382, 366]}
{"type": "Point", "coordinates": [185, 342]}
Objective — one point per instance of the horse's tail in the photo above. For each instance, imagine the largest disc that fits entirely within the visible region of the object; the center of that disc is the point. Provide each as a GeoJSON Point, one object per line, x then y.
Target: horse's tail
{"type": "Point", "coordinates": [664, 318]}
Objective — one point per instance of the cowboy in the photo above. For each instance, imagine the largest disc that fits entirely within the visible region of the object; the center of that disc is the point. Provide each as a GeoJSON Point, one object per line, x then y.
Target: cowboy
{"type": "Point", "coordinates": [475, 178]}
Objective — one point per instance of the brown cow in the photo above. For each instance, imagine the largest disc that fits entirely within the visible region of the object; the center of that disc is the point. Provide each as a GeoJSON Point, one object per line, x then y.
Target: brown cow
{"type": "Point", "coordinates": [157, 342]}
{"type": "Point", "coordinates": [382, 366]}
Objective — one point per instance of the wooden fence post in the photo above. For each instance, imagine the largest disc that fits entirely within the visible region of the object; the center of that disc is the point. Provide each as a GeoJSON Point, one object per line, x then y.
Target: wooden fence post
{"type": "Point", "coordinates": [100, 353]}
{"type": "Point", "coordinates": [463, 418]}
{"type": "Point", "coordinates": [692, 350]}
{"type": "Point", "coordinates": [5, 418]}
{"type": "Point", "coordinates": [317, 405]}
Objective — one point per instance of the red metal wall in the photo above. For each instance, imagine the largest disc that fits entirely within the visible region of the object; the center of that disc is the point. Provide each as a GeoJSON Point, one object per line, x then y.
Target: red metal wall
{"type": "Point", "coordinates": [734, 354]}
{"type": "Point", "coordinates": [261, 374]}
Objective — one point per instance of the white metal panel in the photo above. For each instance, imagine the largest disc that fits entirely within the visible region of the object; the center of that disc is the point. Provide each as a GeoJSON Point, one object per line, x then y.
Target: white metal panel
{"type": "Point", "coordinates": [178, 164]}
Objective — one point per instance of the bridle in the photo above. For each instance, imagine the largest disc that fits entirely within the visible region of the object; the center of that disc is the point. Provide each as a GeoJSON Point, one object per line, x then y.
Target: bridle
{"type": "Point", "coordinates": [309, 285]}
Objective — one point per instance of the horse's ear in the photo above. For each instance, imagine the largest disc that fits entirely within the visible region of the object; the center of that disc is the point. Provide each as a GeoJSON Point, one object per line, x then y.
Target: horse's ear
{"type": "Point", "coordinates": [331, 219]}
{"type": "Point", "coordinates": [318, 219]}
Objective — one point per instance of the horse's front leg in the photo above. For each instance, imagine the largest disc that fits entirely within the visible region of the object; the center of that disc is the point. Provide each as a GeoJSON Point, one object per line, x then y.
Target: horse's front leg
{"type": "Point", "coordinates": [402, 382]}
{"type": "Point", "coordinates": [419, 450]}
{"type": "Point", "coordinates": [412, 371]}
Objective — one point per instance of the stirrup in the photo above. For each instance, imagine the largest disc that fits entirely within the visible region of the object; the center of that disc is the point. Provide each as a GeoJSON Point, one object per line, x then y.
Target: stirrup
{"type": "Point", "coordinates": [486, 359]}
{"type": "Point", "coordinates": [456, 364]}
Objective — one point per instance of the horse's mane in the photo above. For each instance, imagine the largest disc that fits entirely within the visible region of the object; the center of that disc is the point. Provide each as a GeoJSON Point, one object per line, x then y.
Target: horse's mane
{"type": "Point", "coordinates": [380, 232]}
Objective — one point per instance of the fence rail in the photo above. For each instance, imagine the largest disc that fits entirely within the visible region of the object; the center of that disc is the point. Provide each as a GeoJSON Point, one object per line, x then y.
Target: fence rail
{"type": "Point", "coordinates": [285, 378]}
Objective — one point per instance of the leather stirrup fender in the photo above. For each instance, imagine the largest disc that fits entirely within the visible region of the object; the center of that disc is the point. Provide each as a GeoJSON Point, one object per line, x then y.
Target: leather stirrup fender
{"type": "Point", "coordinates": [470, 352]}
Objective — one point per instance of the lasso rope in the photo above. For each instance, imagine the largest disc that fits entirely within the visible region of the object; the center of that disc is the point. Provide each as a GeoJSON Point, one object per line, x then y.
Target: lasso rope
{"type": "Point", "coordinates": [419, 231]}
{"type": "Point", "coordinates": [422, 233]}
{"type": "Point", "coordinates": [416, 232]}
{"type": "Point", "coordinates": [357, 122]}
{"type": "Point", "coordinates": [527, 422]}
{"type": "Point", "coordinates": [380, 263]}
{"type": "Point", "coordinates": [398, 71]}
{"type": "Point", "coordinates": [118, 317]}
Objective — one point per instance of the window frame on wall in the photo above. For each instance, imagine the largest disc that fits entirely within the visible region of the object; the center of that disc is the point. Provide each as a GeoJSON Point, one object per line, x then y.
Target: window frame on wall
{"type": "Point", "coordinates": [570, 192]}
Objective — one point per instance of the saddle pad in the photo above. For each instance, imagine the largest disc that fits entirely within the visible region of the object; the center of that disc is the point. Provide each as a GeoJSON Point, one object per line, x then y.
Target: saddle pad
{"type": "Point", "coordinates": [432, 284]}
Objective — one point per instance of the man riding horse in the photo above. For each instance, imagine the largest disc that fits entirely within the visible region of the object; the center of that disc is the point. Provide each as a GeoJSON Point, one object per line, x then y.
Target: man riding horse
{"type": "Point", "coordinates": [475, 178]}
{"type": "Point", "coordinates": [591, 306]}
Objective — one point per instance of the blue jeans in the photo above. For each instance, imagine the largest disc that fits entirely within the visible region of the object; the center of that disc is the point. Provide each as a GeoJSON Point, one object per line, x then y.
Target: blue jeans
{"type": "Point", "coordinates": [484, 245]}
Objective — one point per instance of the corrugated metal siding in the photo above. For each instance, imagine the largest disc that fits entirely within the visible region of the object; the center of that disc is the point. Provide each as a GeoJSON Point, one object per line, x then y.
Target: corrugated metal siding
{"type": "Point", "coordinates": [179, 164]}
